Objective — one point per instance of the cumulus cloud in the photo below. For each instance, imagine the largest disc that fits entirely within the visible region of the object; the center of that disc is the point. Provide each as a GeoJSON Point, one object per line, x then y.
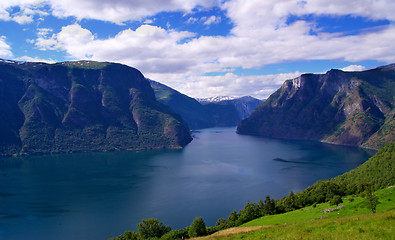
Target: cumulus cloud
{"type": "Point", "coordinates": [119, 11]}
{"type": "Point", "coordinates": [27, 10]}
{"type": "Point", "coordinates": [5, 49]}
{"type": "Point", "coordinates": [353, 68]}
{"type": "Point", "coordinates": [261, 35]}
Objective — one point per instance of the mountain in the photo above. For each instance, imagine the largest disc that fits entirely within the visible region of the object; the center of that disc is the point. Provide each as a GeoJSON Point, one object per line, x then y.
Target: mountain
{"type": "Point", "coordinates": [244, 105]}
{"type": "Point", "coordinates": [210, 114]}
{"type": "Point", "coordinates": [214, 99]}
{"type": "Point", "coordinates": [82, 106]}
{"type": "Point", "coordinates": [347, 108]}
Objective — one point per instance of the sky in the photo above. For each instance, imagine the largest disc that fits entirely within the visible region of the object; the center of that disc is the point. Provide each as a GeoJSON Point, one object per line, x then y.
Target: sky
{"type": "Point", "coordinates": [205, 48]}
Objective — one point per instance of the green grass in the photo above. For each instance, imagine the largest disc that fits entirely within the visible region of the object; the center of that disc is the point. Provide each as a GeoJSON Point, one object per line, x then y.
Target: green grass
{"type": "Point", "coordinates": [367, 226]}
{"type": "Point", "coordinates": [353, 221]}
{"type": "Point", "coordinates": [355, 207]}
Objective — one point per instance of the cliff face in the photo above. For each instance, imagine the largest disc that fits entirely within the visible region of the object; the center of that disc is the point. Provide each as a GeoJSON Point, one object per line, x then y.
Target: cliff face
{"type": "Point", "coordinates": [347, 108]}
{"type": "Point", "coordinates": [82, 106]}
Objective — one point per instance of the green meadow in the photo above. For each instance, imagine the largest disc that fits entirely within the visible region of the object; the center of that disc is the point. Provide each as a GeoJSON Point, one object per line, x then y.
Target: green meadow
{"type": "Point", "coordinates": [352, 221]}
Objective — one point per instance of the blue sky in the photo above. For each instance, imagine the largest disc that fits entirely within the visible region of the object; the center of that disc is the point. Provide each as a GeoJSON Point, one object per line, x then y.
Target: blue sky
{"type": "Point", "coordinates": [205, 48]}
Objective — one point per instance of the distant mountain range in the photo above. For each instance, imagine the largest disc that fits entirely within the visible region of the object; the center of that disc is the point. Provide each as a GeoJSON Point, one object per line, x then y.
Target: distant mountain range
{"type": "Point", "coordinates": [82, 106]}
{"type": "Point", "coordinates": [348, 108]}
{"type": "Point", "coordinates": [216, 99]}
{"type": "Point", "coordinates": [100, 106]}
{"type": "Point", "coordinates": [210, 112]}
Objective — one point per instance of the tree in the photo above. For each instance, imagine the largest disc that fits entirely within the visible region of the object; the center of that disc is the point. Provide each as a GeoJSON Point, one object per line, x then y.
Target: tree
{"type": "Point", "coordinates": [152, 228]}
{"type": "Point", "coordinates": [289, 202]}
{"type": "Point", "coordinates": [220, 224]}
{"type": "Point", "coordinates": [198, 228]}
{"type": "Point", "coordinates": [269, 206]}
{"type": "Point", "coordinates": [232, 219]}
{"type": "Point", "coordinates": [371, 200]}
{"type": "Point", "coordinates": [335, 200]}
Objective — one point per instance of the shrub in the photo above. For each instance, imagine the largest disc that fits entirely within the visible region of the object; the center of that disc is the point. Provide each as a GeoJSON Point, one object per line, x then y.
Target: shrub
{"type": "Point", "coordinates": [152, 228]}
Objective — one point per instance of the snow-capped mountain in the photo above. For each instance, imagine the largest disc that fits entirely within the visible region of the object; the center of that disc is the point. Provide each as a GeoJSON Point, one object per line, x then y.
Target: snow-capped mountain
{"type": "Point", "coordinates": [214, 99]}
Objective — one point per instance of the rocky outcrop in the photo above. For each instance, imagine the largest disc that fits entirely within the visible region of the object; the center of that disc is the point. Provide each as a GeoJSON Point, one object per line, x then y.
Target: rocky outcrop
{"type": "Point", "coordinates": [347, 108]}
{"type": "Point", "coordinates": [82, 106]}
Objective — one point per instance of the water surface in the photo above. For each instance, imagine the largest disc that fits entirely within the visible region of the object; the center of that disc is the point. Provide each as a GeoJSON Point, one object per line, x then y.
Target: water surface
{"type": "Point", "coordinates": [100, 195]}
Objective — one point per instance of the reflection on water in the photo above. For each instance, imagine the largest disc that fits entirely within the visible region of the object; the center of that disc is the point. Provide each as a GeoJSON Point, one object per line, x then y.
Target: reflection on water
{"type": "Point", "coordinates": [101, 195]}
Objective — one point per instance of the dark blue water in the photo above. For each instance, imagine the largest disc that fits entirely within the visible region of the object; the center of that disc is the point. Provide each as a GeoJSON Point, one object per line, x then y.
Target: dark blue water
{"type": "Point", "coordinates": [100, 195]}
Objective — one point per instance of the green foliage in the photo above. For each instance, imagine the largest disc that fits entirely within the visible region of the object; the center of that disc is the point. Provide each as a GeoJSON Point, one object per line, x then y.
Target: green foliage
{"type": "Point", "coordinates": [152, 228]}
{"type": "Point", "coordinates": [250, 212]}
{"type": "Point", "coordinates": [269, 207]}
{"type": "Point", "coordinates": [336, 200]}
{"type": "Point", "coordinates": [232, 219]}
{"type": "Point", "coordinates": [176, 234]}
{"type": "Point", "coordinates": [129, 235]}
{"type": "Point", "coordinates": [197, 228]}
{"type": "Point", "coordinates": [371, 200]}
{"type": "Point", "coordinates": [220, 224]}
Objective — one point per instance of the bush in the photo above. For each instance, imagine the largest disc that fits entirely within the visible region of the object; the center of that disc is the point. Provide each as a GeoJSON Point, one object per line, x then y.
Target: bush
{"type": "Point", "coordinates": [176, 234]}
{"type": "Point", "coordinates": [335, 200]}
{"type": "Point", "coordinates": [152, 228]}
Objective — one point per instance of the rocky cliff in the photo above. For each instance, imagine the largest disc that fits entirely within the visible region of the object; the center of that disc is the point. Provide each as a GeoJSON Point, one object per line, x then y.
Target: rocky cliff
{"type": "Point", "coordinates": [347, 108]}
{"type": "Point", "coordinates": [82, 106]}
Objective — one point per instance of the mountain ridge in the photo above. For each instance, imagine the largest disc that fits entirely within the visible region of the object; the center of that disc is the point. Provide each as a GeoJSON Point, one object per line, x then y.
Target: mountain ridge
{"type": "Point", "coordinates": [218, 113]}
{"type": "Point", "coordinates": [82, 106]}
{"type": "Point", "coordinates": [347, 108]}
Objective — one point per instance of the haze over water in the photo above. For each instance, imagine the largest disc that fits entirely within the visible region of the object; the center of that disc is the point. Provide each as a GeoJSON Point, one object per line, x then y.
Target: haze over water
{"type": "Point", "coordinates": [100, 195]}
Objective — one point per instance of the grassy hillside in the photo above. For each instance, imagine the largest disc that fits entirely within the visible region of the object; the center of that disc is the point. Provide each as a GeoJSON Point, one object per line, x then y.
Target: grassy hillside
{"type": "Point", "coordinates": [352, 221]}
{"type": "Point", "coordinates": [378, 172]}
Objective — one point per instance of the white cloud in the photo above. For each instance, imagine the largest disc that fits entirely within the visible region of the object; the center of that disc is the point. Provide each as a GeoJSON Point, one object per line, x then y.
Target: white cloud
{"type": "Point", "coordinates": [5, 49]}
{"type": "Point", "coordinates": [260, 86]}
{"type": "Point", "coordinates": [192, 20]}
{"type": "Point", "coordinates": [23, 19]}
{"type": "Point", "coordinates": [36, 59]}
{"type": "Point", "coordinates": [353, 68]}
{"type": "Point", "coordinates": [260, 36]}
{"type": "Point", "coordinates": [27, 10]}
{"type": "Point", "coordinates": [212, 20]}
{"type": "Point", "coordinates": [119, 11]}
{"type": "Point", "coordinates": [44, 31]}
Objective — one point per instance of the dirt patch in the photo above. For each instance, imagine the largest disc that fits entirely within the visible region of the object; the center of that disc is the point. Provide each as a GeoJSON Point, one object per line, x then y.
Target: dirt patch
{"type": "Point", "coordinates": [231, 231]}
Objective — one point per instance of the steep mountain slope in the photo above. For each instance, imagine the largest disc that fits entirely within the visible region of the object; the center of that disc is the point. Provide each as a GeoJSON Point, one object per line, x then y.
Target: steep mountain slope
{"type": "Point", "coordinates": [82, 106]}
{"type": "Point", "coordinates": [209, 114]}
{"type": "Point", "coordinates": [244, 105]}
{"type": "Point", "coordinates": [191, 110]}
{"type": "Point", "coordinates": [348, 108]}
